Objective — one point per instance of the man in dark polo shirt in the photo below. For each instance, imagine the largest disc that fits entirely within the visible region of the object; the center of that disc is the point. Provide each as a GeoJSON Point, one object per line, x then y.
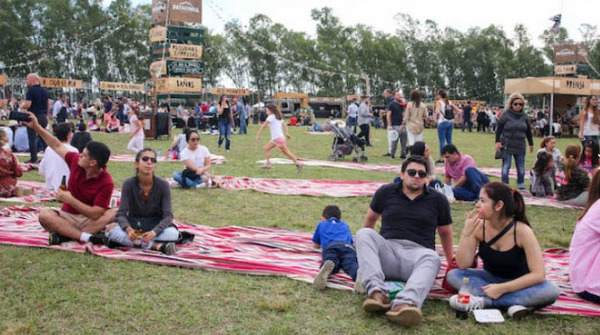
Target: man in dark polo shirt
{"type": "Point", "coordinates": [395, 115]}
{"type": "Point", "coordinates": [37, 101]}
{"type": "Point", "coordinates": [404, 249]}
{"type": "Point", "coordinates": [86, 202]}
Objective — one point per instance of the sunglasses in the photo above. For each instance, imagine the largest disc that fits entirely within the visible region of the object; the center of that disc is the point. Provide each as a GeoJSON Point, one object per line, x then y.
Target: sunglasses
{"type": "Point", "coordinates": [518, 104]}
{"type": "Point", "coordinates": [148, 158]}
{"type": "Point", "coordinates": [195, 139]}
{"type": "Point", "coordinates": [413, 172]}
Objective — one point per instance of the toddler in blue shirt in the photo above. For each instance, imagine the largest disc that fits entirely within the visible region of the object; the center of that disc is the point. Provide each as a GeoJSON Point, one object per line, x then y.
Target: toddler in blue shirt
{"type": "Point", "coordinates": [335, 239]}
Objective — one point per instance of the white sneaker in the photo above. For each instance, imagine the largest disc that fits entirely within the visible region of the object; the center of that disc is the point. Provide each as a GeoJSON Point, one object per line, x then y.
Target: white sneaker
{"type": "Point", "coordinates": [174, 184]}
{"type": "Point", "coordinates": [474, 303]}
{"type": "Point", "coordinates": [320, 281]}
{"type": "Point", "coordinates": [203, 185]}
{"type": "Point", "coordinates": [518, 311]}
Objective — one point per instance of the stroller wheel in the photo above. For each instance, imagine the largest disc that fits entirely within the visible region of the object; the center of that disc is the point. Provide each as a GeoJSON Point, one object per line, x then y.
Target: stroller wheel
{"type": "Point", "coordinates": [364, 158]}
{"type": "Point", "coordinates": [332, 157]}
{"type": "Point", "coordinates": [355, 159]}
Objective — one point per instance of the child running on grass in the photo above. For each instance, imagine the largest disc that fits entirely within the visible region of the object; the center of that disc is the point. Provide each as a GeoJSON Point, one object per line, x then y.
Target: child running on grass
{"type": "Point", "coordinates": [335, 239]}
{"type": "Point", "coordinates": [276, 125]}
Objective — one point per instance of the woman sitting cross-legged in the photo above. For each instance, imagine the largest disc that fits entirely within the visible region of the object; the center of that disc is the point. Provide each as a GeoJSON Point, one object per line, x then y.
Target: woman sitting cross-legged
{"type": "Point", "coordinates": [145, 218]}
{"type": "Point", "coordinates": [196, 160]}
{"type": "Point", "coordinates": [513, 274]}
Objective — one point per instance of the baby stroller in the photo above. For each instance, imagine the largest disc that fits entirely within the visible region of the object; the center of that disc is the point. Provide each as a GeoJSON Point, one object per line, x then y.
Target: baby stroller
{"type": "Point", "coordinates": [346, 143]}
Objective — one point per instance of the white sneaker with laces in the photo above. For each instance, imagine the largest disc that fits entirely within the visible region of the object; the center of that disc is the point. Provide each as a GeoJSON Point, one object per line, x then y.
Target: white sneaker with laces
{"type": "Point", "coordinates": [518, 311]}
{"type": "Point", "coordinates": [474, 303]}
{"type": "Point", "coordinates": [203, 185]}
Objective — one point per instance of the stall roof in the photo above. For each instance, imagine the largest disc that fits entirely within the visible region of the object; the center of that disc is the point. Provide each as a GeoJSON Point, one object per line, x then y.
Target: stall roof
{"type": "Point", "coordinates": [556, 85]}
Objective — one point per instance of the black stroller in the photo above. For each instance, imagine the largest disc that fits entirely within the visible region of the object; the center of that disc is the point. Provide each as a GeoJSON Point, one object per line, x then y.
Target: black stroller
{"type": "Point", "coordinates": [346, 143]}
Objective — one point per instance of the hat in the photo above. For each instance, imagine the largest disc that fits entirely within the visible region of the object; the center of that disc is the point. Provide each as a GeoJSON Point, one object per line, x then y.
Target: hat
{"type": "Point", "coordinates": [13, 123]}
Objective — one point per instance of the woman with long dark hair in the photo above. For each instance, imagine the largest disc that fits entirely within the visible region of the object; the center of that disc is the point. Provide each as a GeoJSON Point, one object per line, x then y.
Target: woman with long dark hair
{"type": "Point", "coordinates": [444, 110]}
{"type": "Point", "coordinates": [572, 181]}
{"type": "Point", "coordinates": [589, 120]}
{"type": "Point", "coordinates": [513, 274]}
{"type": "Point", "coordinates": [584, 263]}
{"type": "Point", "coordinates": [414, 120]}
{"type": "Point", "coordinates": [513, 129]}
{"type": "Point", "coordinates": [589, 157]}
{"type": "Point", "coordinates": [225, 122]}
{"type": "Point", "coordinates": [145, 217]}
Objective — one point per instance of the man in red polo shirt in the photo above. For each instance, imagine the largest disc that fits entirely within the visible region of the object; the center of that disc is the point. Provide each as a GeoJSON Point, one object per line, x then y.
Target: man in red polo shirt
{"type": "Point", "coordinates": [85, 209]}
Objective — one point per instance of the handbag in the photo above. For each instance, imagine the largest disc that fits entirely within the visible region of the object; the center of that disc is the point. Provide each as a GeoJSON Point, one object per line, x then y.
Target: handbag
{"type": "Point", "coordinates": [501, 154]}
{"type": "Point", "coordinates": [187, 173]}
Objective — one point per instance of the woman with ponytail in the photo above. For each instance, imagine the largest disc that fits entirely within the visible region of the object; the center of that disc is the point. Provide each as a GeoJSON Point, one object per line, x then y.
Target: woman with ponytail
{"type": "Point", "coordinates": [585, 248]}
{"type": "Point", "coordinates": [589, 120]}
{"type": "Point", "coordinates": [513, 274]}
{"type": "Point", "coordinates": [10, 169]}
{"type": "Point", "coordinates": [572, 180]}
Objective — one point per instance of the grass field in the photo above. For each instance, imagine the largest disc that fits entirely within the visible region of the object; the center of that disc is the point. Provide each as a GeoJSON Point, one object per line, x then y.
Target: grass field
{"type": "Point", "coordinates": [53, 292]}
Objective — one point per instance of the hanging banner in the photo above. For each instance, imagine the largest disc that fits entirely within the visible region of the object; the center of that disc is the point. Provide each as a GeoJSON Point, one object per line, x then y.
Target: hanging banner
{"type": "Point", "coordinates": [158, 34]}
{"type": "Point", "coordinates": [180, 85]}
{"type": "Point", "coordinates": [229, 91]}
{"type": "Point", "coordinates": [2, 79]}
{"type": "Point", "coordinates": [61, 83]}
{"type": "Point", "coordinates": [177, 67]}
{"type": "Point", "coordinates": [111, 86]}
{"type": "Point", "coordinates": [184, 11]}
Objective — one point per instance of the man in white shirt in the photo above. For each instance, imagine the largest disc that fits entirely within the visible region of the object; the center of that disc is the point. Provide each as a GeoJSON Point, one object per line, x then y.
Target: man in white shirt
{"type": "Point", "coordinates": [58, 113]}
{"type": "Point", "coordinates": [53, 167]}
{"type": "Point", "coordinates": [353, 114]}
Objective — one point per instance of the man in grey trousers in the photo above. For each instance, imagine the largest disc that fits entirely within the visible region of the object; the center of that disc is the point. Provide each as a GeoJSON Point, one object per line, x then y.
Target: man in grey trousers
{"type": "Point", "coordinates": [404, 249]}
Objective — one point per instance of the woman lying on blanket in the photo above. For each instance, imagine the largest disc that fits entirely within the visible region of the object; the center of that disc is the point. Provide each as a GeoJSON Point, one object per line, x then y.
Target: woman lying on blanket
{"type": "Point", "coordinates": [585, 248]}
{"type": "Point", "coordinates": [513, 274]}
{"type": "Point", "coordinates": [572, 181]}
{"type": "Point", "coordinates": [10, 169]}
{"type": "Point", "coordinates": [145, 218]}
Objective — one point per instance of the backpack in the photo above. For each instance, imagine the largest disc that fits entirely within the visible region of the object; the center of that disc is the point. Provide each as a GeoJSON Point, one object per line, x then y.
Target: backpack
{"type": "Point", "coordinates": [449, 112]}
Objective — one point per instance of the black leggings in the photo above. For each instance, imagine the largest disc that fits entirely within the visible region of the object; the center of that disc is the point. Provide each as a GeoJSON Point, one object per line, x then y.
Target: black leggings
{"type": "Point", "coordinates": [364, 132]}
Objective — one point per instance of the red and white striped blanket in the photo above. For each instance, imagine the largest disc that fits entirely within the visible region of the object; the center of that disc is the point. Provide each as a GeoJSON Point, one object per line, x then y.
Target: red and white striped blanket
{"type": "Point", "coordinates": [489, 171]}
{"type": "Point", "coordinates": [314, 187]}
{"type": "Point", "coordinates": [260, 251]}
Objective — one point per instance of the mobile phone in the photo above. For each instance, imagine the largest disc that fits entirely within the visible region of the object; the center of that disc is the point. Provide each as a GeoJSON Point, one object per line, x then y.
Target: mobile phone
{"type": "Point", "coordinates": [19, 116]}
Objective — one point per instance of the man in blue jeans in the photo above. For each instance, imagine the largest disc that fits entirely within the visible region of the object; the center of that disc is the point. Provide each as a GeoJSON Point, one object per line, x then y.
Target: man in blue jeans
{"type": "Point", "coordinates": [463, 170]}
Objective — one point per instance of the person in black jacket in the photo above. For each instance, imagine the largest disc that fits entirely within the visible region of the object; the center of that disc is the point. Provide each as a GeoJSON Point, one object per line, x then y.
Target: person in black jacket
{"type": "Point", "coordinates": [81, 138]}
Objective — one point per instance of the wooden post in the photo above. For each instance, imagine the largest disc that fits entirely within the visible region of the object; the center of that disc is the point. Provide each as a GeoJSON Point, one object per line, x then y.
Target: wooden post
{"type": "Point", "coordinates": [368, 85]}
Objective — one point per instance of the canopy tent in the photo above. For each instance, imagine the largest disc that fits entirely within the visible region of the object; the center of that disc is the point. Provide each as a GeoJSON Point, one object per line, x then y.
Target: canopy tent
{"type": "Point", "coordinates": [554, 86]}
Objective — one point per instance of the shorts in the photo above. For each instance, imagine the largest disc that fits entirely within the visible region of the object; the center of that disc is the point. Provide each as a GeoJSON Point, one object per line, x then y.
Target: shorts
{"type": "Point", "coordinates": [279, 142]}
{"type": "Point", "coordinates": [78, 221]}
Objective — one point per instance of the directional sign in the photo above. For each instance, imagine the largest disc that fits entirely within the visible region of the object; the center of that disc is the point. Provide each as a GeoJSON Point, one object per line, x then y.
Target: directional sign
{"type": "Point", "coordinates": [2, 80]}
{"type": "Point", "coordinates": [177, 67]}
{"type": "Point", "coordinates": [111, 86]}
{"type": "Point", "coordinates": [192, 85]}
{"type": "Point", "coordinates": [230, 91]}
{"type": "Point", "coordinates": [180, 51]}
{"type": "Point", "coordinates": [61, 83]}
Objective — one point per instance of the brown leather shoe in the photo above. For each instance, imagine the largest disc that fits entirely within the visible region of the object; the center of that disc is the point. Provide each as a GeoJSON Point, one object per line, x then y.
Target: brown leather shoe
{"type": "Point", "coordinates": [404, 314]}
{"type": "Point", "coordinates": [377, 302]}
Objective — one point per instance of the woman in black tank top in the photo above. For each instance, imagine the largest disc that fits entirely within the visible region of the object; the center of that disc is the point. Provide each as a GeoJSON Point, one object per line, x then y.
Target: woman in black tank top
{"type": "Point", "coordinates": [513, 274]}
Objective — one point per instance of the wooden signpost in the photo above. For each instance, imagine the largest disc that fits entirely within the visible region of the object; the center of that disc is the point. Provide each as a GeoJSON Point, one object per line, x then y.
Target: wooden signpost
{"type": "Point", "coordinates": [178, 85]}
{"type": "Point", "coordinates": [112, 86]}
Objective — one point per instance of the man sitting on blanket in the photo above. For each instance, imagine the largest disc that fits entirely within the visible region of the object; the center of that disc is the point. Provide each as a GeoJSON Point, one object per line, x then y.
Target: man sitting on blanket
{"type": "Point", "coordinates": [404, 249]}
{"type": "Point", "coordinates": [85, 203]}
{"type": "Point", "coordinates": [462, 168]}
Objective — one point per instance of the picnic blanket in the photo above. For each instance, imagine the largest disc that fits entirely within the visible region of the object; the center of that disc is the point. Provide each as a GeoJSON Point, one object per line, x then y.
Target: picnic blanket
{"type": "Point", "coordinates": [260, 251]}
{"type": "Point", "coordinates": [42, 194]}
{"type": "Point", "coordinates": [489, 171]}
{"type": "Point", "coordinates": [314, 187]}
{"type": "Point", "coordinates": [214, 159]}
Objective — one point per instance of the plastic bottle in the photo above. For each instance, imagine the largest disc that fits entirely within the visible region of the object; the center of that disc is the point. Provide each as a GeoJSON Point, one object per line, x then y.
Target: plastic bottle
{"type": "Point", "coordinates": [464, 297]}
{"type": "Point", "coordinates": [158, 153]}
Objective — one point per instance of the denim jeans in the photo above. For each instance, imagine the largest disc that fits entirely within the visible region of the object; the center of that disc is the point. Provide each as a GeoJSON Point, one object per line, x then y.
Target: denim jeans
{"type": "Point", "coordinates": [519, 163]}
{"type": "Point", "coordinates": [470, 189]}
{"type": "Point", "coordinates": [343, 255]}
{"type": "Point", "coordinates": [225, 133]}
{"type": "Point", "coordinates": [352, 122]}
{"type": "Point", "coordinates": [537, 296]}
{"type": "Point", "coordinates": [243, 127]}
{"type": "Point", "coordinates": [465, 123]}
{"type": "Point", "coordinates": [119, 235]}
{"type": "Point", "coordinates": [191, 183]}
{"type": "Point", "coordinates": [445, 133]}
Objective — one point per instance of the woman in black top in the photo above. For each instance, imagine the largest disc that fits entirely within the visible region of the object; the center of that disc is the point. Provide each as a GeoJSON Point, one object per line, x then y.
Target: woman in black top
{"type": "Point", "coordinates": [225, 122]}
{"type": "Point", "coordinates": [513, 274]}
{"type": "Point", "coordinates": [145, 214]}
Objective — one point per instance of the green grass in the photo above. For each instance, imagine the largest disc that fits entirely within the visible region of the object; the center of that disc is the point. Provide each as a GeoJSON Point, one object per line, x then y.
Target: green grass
{"type": "Point", "coordinates": [52, 292]}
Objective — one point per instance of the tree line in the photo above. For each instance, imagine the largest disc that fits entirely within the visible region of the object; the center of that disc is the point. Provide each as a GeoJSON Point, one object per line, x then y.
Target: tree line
{"type": "Point", "coordinates": [81, 39]}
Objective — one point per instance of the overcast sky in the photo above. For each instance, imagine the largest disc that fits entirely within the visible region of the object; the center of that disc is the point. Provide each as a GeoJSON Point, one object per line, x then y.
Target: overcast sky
{"type": "Point", "coordinates": [458, 14]}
